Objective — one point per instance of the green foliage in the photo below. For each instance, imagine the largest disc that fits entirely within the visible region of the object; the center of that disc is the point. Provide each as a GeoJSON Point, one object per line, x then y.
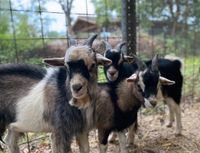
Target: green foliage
{"type": "Point", "coordinates": [20, 36]}
{"type": "Point", "coordinates": [105, 9]}
{"type": "Point", "coordinates": [191, 71]}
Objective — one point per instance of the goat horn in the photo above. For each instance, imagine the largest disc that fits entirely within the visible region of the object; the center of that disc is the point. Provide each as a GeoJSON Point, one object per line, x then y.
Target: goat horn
{"type": "Point", "coordinates": [90, 40]}
{"type": "Point", "coordinates": [119, 46]}
{"type": "Point", "coordinates": [141, 65]}
{"type": "Point", "coordinates": [154, 64]}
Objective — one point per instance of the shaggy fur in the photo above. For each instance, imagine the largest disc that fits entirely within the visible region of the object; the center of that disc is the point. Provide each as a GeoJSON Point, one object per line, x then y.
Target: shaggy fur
{"type": "Point", "coordinates": [38, 100]}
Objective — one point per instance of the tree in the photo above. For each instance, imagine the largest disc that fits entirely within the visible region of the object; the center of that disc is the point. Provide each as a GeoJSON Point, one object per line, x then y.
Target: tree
{"type": "Point", "coordinates": [105, 10]}
{"type": "Point", "coordinates": [66, 6]}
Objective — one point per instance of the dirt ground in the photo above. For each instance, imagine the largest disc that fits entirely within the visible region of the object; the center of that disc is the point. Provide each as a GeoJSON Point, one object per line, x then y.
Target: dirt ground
{"type": "Point", "coordinates": [152, 137]}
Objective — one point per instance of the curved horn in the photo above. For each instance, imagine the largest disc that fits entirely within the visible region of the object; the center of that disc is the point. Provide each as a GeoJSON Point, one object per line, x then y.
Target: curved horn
{"type": "Point", "coordinates": [90, 40]}
{"type": "Point", "coordinates": [141, 65]}
{"type": "Point", "coordinates": [154, 64]}
{"type": "Point", "coordinates": [119, 46]}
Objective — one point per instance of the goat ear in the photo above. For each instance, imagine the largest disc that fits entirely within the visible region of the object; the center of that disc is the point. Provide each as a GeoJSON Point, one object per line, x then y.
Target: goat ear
{"type": "Point", "coordinates": [128, 59]}
{"type": "Point", "coordinates": [101, 60]}
{"type": "Point", "coordinates": [165, 81]}
{"type": "Point", "coordinates": [54, 61]}
{"type": "Point", "coordinates": [132, 78]}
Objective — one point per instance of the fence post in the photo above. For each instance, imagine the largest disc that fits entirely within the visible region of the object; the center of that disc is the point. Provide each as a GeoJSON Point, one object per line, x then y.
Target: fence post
{"type": "Point", "coordinates": [129, 25]}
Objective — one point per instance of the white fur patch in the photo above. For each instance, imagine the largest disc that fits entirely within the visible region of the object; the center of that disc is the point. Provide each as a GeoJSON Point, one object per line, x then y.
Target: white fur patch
{"type": "Point", "coordinates": [30, 108]}
{"type": "Point", "coordinates": [141, 83]}
{"type": "Point", "coordinates": [115, 76]}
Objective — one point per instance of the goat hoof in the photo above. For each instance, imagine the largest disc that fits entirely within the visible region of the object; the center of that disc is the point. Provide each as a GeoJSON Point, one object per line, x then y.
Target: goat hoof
{"type": "Point", "coordinates": [114, 141]}
{"type": "Point", "coordinates": [131, 145]}
{"type": "Point", "coordinates": [169, 125]}
{"type": "Point", "coordinates": [178, 134]}
{"type": "Point", "coordinates": [112, 138]}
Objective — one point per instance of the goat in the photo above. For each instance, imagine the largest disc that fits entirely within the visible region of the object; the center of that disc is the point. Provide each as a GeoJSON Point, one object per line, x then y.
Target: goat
{"type": "Point", "coordinates": [120, 69]}
{"type": "Point", "coordinates": [117, 106]}
{"type": "Point", "coordinates": [35, 99]}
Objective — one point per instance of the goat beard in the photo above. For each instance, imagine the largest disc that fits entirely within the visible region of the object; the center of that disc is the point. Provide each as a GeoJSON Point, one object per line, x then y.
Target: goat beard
{"type": "Point", "coordinates": [81, 103]}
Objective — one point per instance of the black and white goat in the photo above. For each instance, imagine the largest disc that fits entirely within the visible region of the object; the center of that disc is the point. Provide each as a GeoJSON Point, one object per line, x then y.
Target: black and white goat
{"type": "Point", "coordinates": [35, 99]}
{"type": "Point", "coordinates": [120, 69]}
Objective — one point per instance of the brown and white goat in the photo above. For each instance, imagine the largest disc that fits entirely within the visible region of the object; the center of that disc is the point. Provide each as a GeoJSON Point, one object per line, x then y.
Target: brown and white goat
{"type": "Point", "coordinates": [35, 99]}
{"type": "Point", "coordinates": [117, 106]}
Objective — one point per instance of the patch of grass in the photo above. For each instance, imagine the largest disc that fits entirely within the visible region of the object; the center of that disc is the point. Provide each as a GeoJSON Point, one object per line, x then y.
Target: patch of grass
{"type": "Point", "coordinates": [191, 73]}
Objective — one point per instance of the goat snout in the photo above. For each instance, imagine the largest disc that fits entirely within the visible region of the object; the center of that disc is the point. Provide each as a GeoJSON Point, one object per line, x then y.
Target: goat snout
{"type": "Point", "coordinates": [151, 102]}
{"type": "Point", "coordinates": [77, 87]}
{"type": "Point", "coordinates": [112, 73]}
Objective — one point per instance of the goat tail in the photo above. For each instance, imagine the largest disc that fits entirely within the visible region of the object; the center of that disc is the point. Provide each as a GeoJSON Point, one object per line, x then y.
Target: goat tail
{"type": "Point", "coordinates": [177, 63]}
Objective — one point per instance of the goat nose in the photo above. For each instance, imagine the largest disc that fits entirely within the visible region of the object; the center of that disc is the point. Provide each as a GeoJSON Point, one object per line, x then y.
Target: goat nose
{"type": "Point", "coordinates": [76, 87]}
{"type": "Point", "coordinates": [153, 103]}
{"type": "Point", "coordinates": [112, 73]}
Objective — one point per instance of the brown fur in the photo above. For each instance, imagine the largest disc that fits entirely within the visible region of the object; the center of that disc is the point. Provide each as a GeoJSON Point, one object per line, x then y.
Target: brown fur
{"type": "Point", "coordinates": [127, 93]}
{"type": "Point", "coordinates": [11, 89]}
{"type": "Point", "coordinates": [80, 52]}
{"type": "Point", "coordinates": [104, 109]}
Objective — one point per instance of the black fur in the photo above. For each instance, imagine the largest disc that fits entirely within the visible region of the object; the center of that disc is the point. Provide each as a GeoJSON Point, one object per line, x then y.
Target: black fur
{"type": "Point", "coordinates": [167, 68]}
{"type": "Point", "coordinates": [150, 79]}
{"type": "Point", "coordinates": [125, 69]}
{"type": "Point", "coordinates": [65, 114]}
{"type": "Point", "coordinates": [24, 70]}
{"type": "Point", "coordinates": [78, 67]}
{"type": "Point", "coordinates": [171, 70]}
{"type": "Point", "coordinates": [121, 119]}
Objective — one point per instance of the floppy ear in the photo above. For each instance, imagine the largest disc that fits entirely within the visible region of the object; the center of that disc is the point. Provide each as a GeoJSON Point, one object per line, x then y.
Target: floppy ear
{"type": "Point", "coordinates": [132, 78]}
{"type": "Point", "coordinates": [101, 60]}
{"type": "Point", "coordinates": [165, 81]}
{"type": "Point", "coordinates": [54, 61]}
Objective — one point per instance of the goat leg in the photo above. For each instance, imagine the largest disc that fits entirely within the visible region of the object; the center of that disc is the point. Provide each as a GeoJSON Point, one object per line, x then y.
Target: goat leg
{"type": "Point", "coordinates": [82, 140]}
{"type": "Point", "coordinates": [103, 139]}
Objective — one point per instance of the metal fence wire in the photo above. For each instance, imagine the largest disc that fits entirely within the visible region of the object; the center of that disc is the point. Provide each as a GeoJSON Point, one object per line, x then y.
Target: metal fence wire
{"type": "Point", "coordinates": [28, 39]}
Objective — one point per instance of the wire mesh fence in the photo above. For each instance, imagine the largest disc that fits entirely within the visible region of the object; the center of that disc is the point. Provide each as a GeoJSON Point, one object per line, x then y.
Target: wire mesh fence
{"type": "Point", "coordinates": [28, 34]}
